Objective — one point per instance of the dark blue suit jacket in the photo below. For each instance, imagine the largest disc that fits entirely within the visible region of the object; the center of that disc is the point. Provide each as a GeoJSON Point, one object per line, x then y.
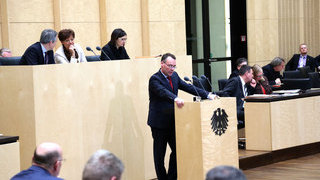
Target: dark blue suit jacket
{"type": "Point", "coordinates": [161, 97]}
{"type": "Point", "coordinates": [272, 75]}
{"type": "Point", "coordinates": [233, 88]}
{"type": "Point", "coordinates": [34, 173]}
{"type": "Point", "coordinates": [34, 55]}
{"type": "Point", "coordinates": [292, 65]}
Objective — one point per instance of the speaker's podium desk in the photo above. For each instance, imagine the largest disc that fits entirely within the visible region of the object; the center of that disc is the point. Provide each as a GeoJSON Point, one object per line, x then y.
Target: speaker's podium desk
{"type": "Point", "coordinates": [279, 122]}
{"type": "Point", "coordinates": [199, 148]}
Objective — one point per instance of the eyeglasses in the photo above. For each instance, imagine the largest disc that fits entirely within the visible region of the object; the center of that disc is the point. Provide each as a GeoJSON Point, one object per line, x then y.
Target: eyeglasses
{"type": "Point", "coordinates": [69, 40]}
{"type": "Point", "coordinates": [171, 66]}
{"type": "Point", "coordinates": [123, 39]}
{"type": "Point", "coordinates": [62, 160]}
{"type": "Point", "coordinates": [260, 75]}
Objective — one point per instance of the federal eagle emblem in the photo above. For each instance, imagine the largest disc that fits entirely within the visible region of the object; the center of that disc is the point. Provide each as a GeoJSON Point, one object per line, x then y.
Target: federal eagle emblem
{"type": "Point", "coordinates": [219, 121]}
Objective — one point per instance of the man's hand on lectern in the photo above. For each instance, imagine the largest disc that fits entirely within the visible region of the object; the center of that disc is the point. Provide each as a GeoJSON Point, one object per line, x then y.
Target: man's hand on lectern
{"type": "Point", "coordinates": [179, 102]}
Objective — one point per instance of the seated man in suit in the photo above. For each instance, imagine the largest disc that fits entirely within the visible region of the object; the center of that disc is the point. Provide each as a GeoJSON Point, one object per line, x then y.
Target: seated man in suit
{"type": "Point", "coordinates": [41, 52]}
{"type": "Point", "coordinates": [302, 60]}
{"type": "Point", "coordinates": [272, 70]}
{"type": "Point", "coordinates": [46, 163]}
{"type": "Point", "coordinates": [240, 62]}
{"type": "Point", "coordinates": [240, 87]}
{"type": "Point", "coordinates": [163, 94]}
{"type": "Point", "coordinates": [103, 165]}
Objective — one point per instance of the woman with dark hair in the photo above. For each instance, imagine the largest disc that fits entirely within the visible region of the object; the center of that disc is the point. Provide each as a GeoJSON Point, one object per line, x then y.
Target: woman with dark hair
{"type": "Point", "coordinates": [69, 52]}
{"type": "Point", "coordinates": [262, 86]}
{"type": "Point", "coordinates": [115, 50]}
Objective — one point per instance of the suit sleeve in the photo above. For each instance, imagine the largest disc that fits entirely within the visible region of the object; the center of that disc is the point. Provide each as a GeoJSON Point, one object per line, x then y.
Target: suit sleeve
{"type": "Point", "coordinates": [59, 59]}
{"type": "Point", "coordinates": [289, 64]}
{"type": "Point", "coordinates": [229, 88]}
{"type": "Point", "coordinates": [81, 54]}
{"type": "Point", "coordinates": [108, 52]}
{"type": "Point", "coordinates": [191, 89]}
{"type": "Point", "coordinates": [31, 57]}
{"type": "Point", "coordinates": [268, 74]}
{"type": "Point", "coordinates": [157, 87]}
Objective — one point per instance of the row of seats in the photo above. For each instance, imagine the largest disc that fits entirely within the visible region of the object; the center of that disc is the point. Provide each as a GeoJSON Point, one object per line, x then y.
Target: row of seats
{"type": "Point", "coordinates": [12, 61]}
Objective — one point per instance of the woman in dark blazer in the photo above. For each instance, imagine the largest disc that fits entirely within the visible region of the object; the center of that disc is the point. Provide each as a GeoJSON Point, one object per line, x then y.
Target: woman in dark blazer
{"type": "Point", "coordinates": [115, 50]}
{"type": "Point", "coordinates": [262, 86]}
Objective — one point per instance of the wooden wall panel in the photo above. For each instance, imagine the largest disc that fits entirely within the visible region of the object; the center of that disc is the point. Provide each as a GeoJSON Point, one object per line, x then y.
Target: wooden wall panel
{"type": "Point", "coordinates": [94, 22]}
{"type": "Point", "coordinates": [277, 27]}
{"type": "Point", "coordinates": [84, 107]}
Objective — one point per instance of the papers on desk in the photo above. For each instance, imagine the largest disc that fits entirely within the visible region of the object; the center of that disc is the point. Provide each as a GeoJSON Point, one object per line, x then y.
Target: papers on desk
{"type": "Point", "coordinates": [293, 91]}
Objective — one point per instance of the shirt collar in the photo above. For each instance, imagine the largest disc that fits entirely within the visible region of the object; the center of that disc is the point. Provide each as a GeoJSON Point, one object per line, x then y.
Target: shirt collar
{"type": "Point", "coordinates": [242, 81]}
{"type": "Point", "coordinates": [163, 74]}
{"type": "Point", "coordinates": [44, 50]}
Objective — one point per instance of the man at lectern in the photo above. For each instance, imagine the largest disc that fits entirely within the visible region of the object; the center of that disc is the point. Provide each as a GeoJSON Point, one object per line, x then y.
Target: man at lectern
{"type": "Point", "coordinates": [41, 52]}
{"type": "Point", "coordinates": [163, 93]}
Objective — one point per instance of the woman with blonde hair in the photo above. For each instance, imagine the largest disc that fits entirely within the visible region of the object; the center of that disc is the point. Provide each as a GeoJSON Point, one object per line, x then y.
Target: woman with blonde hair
{"type": "Point", "coordinates": [262, 86]}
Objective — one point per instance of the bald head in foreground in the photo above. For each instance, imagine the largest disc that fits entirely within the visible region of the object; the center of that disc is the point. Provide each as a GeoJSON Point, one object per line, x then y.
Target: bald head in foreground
{"type": "Point", "coordinates": [103, 165]}
{"type": "Point", "coordinates": [46, 163]}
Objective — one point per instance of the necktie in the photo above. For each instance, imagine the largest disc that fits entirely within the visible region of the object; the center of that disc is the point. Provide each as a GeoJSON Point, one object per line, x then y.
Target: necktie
{"type": "Point", "coordinates": [170, 81]}
{"type": "Point", "coordinates": [46, 58]}
{"type": "Point", "coordinates": [245, 90]}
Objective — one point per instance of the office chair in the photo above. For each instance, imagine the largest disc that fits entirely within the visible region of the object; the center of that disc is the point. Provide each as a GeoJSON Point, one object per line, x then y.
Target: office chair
{"type": "Point", "coordinates": [292, 74]}
{"type": "Point", "coordinates": [297, 83]}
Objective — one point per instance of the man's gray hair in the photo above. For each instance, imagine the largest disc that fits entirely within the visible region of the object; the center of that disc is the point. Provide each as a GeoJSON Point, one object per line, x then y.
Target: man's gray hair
{"type": "Point", "coordinates": [277, 61]}
{"type": "Point", "coordinates": [48, 35]}
{"type": "Point", "coordinates": [102, 165]}
{"type": "Point", "coordinates": [225, 173]}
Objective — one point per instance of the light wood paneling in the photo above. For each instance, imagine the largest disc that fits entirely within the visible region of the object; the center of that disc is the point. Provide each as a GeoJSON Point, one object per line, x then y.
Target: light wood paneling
{"type": "Point", "coordinates": [276, 28]}
{"type": "Point", "coordinates": [83, 107]}
{"type": "Point", "coordinates": [10, 160]}
{"type": "Point", "coordinates": [258, 126]}
{"type": "Point", "coordinates": [286, 123]}
{"type": "Point", "coordinates": [4, 24]}
{"type": "Point", "coordinates": [93, 22]}
{"type": "Point", "coordinates": [198, 148]}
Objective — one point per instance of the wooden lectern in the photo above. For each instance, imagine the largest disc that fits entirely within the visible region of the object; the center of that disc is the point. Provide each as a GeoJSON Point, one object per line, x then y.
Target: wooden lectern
{"type": "Point", "coordinates": [199, 148]}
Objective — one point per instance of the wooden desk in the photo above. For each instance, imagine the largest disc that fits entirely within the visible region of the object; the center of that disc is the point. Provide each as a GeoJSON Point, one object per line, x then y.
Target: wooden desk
{"type": "Point", "coordinates": [280, 122]}
{"type": "Point", "coordinates": [9, 156]}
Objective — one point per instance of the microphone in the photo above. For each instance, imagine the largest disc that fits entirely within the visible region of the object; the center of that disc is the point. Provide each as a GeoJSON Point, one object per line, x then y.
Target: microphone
{"type": "Point", "coordinates": [99, 49]}
{"type": "Point", "coordinates": [204, 77]}
{"type": "Point", "coordinates": [198, 98]}
{"type": "Point", "coordinates": [194, 77]}
{"type": "Point", "coordinates": [89, 49]}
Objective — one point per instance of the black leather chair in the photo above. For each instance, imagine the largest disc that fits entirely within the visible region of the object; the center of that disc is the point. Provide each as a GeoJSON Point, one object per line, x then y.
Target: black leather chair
{"type": "Point", "coordinates": [222, 83]}
{"type": "Point", "coordinates": [201, 83]}
{"type": "Point", "coordinates": [292, 74]}
{"type": "Point", "coordinates": [315, 80]}
{"type": "Point", "coordinates": [297, 83]}
{"type": "Point", "coordinates": [10, 61]}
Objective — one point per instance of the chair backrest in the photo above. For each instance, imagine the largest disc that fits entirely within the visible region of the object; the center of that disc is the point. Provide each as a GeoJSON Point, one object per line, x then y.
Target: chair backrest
{"type": "Point", "coordinates": [222, 83]}
{"type": "Point", "coordinates": [315, 80]}
{"type": "Point", "coordinates": [292, 74]}
{"type": "Point", "coordinates": [304, 71]}
{"type": "Point", "coordinates": [93, 58]}
{"type": "Point", "coordinates": [201, 83]}
{"type": "Point", "coordinates": [297, 83]}
{"type": "Point", "coordinates": [10, 61]}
